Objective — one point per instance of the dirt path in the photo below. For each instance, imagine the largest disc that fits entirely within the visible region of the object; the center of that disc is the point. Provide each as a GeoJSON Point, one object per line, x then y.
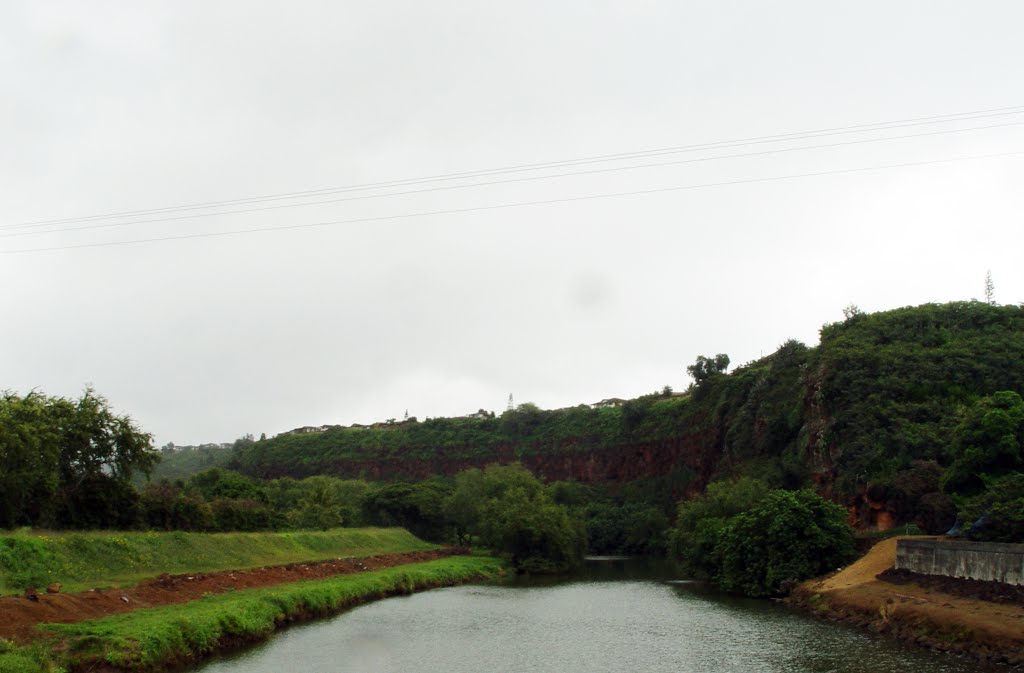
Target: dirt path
{"type": "Point", "coordinates": [19, 615]}
{"type": "Point", "coordinates": [985, 630]}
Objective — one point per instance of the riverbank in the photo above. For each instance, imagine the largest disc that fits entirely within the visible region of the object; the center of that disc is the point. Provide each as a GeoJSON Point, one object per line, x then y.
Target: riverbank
{"type": "Point", "coordinates": [983, 630]}
{"type": "Point", "coordinates": [85, 560]}
{"type": "Point", "coordinates": [21, 615]}
{"type": "Point", "coordinates": [173, 635]}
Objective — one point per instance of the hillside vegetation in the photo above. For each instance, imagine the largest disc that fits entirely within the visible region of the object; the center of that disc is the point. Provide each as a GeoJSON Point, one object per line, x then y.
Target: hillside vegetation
{"type": "Point", "coordinates": [867, 417]}
{"type": "Point", "coordinates": [82, 561]}
{"type": "Point", "coordinates": [183, 462]}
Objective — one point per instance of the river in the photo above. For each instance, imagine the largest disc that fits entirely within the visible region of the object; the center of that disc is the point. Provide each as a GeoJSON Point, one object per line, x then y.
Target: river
{"type": "Point", "coordinates": [614, 616]}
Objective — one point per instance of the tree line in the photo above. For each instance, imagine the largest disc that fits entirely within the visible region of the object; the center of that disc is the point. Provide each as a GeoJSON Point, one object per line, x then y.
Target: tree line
{"type": "Point", "coordinates": [68, 463]}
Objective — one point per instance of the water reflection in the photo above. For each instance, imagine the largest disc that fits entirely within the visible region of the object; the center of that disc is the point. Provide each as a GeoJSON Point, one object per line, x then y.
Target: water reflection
{"type": "Point", "coordinates": [615, 615]}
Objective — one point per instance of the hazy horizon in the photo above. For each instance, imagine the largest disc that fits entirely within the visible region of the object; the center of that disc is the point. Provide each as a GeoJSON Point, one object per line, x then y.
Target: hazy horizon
{"type": "Point", "coordinates": [442, 295]}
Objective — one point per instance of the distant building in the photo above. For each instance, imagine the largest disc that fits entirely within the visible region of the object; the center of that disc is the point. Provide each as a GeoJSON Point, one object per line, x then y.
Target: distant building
{"type": "Point", "coordinates": [310, 428]}
{"type": "Point", "coordinates": [610, 402]}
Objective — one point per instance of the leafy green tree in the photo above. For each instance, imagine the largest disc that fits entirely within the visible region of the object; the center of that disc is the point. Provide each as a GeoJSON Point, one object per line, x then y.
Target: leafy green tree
{"type": "Point", "coordinates": [521, 421]}
{"type": "Point", "coordinates": [221, 483]}
{"type": "Point", "coordinates": [313, 515]}
{"type": "Point", "coordinates": [463, 507]}
{"type": "Point", "coordinates": [706, 369]}
{"type": "Point", "coordinates": [635, 528]}
{"type": "Point", "coordinates": [319, 506]}
{"type": "Point", "coordinates": [537, 535]}
{"type": "Point", "coordinates": [417, 507]}
{"type": "Point", "coordinates": [29, 458]}
{"type": "Point", "coordinates": [242, 515]}
{"type": "Point", "coordinates": [1002, 505]}
{"type": "Point", "coordinates": [99, 501]}
{"type": "Point", "coordinates": [701, 521]}
{"type": "Point", "coordinates": [59, 455]}
{"type": "Point", "coordinates": [95, 441]}
{"type": "Point", "coordinates": [788, 537]}
{"type": "Point", "coordinates": [509, 511]}
{"type": "Point", "coordinates": [167, 506]}
{"type": "Point", "coordinates": [989, 443]}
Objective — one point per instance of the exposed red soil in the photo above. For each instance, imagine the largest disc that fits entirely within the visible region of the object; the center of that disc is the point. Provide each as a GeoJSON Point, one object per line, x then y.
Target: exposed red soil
{"type": "Point", "coordinates": [20, 615]}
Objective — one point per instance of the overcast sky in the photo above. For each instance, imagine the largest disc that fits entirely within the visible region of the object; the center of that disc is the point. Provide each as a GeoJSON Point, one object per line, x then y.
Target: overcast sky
{"type": "Point", "coordinates": [109, 107]}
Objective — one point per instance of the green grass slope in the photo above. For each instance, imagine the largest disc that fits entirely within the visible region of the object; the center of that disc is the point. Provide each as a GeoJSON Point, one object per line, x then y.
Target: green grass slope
{"type": "Point", "coordinates": [157, 638]}
{"type": "Point", "coordinates": [86, 560]}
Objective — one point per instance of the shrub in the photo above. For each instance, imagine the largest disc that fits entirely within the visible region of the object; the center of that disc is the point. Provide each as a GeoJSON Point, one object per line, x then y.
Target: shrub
{"type": "Point", "coordinates": [790, 536]}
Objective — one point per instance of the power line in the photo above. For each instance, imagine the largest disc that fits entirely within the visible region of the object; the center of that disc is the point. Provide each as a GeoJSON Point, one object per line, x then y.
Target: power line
{"type": "Point", "coordinates": [506, 181]}
{"type": "Point", "coordinates": [572, 199]}
{"type": "Point", "coordinates": [724, 144]}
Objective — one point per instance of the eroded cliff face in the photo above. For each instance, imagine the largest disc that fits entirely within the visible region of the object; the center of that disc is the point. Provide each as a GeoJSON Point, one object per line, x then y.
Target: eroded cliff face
{"type": "Point", "coordinates": [866, 417]}
{"type": "Point", "coordinates": [618, 464]}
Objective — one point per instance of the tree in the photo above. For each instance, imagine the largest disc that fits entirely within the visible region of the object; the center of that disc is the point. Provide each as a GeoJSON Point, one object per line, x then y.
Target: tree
{"type": "Point", "coordinates": [95, 441]}
{"type": "Point", "coordinates": [29, 456]}
{"type": "Point", "coordinates": [508, 509]}
{"type": "Point", "coordinates": [520, 422]}
{"type": "Point", "coordinates": [990, 289]}
{"type": "Point", "coordinates": [788, 537]}
{"type": "Point", "coordinates": [417, 507]}
{"type": "Point", "coordinates": [537, 535]}
{"type": "Point", "coordinates": [700, 521]}
{"type": "Point", "coordinates": [59, 455]}
{"type": "Point", "coordinates": [988, 443]}
{"type": "Point", "coordinates": [705, 369]}
{"type": "Point", "coordinates": [217, 482]}
{"type": "Point", "coordinates": [987, 476]}
{"type": "Point", "coordinates": [852, 311]}
{"type": "Point", "coordinates": [1002, 505]}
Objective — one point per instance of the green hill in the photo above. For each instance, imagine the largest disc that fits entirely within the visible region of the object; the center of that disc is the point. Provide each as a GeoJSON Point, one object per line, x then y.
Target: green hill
{"type": "Point", "coordinates": [866, 417]}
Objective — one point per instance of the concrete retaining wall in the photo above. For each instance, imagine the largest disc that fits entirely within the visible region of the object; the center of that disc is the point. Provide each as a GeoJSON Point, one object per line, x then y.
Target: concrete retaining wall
{"type": "Point", "coordinates": [970, 560]}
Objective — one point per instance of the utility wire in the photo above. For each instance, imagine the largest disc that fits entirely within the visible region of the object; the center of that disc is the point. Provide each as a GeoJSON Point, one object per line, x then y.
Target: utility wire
{"type": "Point", "coordinates": [506, 181]}
{"type": "Point", "coordinates": [725, 144]}
{"type": "Point", "coordinates": [520, 204]}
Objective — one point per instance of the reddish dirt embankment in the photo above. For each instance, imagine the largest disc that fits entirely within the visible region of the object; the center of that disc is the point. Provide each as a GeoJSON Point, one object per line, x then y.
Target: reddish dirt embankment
{"type": "Point", "coordinates": [926, 615]}
{"type": "Point", "coordinates": [20, 614]}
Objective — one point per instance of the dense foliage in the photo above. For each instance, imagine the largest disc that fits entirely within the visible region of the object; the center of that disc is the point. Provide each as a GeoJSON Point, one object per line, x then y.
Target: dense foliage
{"type": "Point", "coordinates": [894, 412]}
{"type": "Point", "coordinates": [509, 511]}
{"type": "Point", "coordinates": [182, 462]}
{"type": "Point", "coordinates": [872, 408]}
{"type": "Point", "coordinates": [701, 522]}
{"type": "Point", "coordinates": [894, 385]}
{"type": "Point", "coordinates": [987, 474]}
{"type": "Point", "coordinates": [67, 462]}
{"type": "Point", "coordinates": [758, 542]}
{"type": "Point", "coordinates": [523, 431]}
{"type": "Point", "coordinates": [788, 537]}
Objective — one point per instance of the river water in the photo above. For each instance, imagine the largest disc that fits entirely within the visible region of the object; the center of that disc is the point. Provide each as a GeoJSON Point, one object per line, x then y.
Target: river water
{"type": "Point", "coordinates": [615, 616]}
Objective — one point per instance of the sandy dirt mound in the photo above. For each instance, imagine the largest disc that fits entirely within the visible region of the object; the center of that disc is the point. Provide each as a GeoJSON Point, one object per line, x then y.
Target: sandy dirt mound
{"type": "Point", "coordinates": [879, 558]}
{"type": "Point", "coordinates": [926, 615]}
{"type": "Point", "coordinates": [19, 615]}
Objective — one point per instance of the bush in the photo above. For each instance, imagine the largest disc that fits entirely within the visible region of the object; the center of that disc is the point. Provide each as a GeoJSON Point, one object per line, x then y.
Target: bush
{"type": "Point", "coordinates": [790, 536]}
{"type": "Point", "coordinates": [508, 509]}
{"type": "Point", "coordinates": [1002, 504]}
{"type": "Point", "coordinates": [700, 521]}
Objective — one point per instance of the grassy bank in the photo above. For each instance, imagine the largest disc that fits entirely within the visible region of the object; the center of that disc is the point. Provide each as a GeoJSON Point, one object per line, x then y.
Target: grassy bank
{"type": "Point", "coordinates": [156, 638]}
{"type": "Point", "coordinates": [87, 560]}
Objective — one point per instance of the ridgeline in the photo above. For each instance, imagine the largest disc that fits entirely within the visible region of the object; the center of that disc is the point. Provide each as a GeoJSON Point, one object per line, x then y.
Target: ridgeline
{"type": "Point", "coordinates": [866, 418]}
